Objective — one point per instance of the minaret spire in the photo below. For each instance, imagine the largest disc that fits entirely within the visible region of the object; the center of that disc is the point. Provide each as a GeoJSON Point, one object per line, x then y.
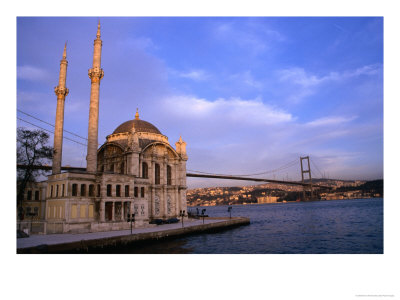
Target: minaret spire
{"type": "Point", "coordinates": [61, 92]}
{"type": "Point", "coordinates": [137, 114]}
{"type": "Point", "coordinates": [95, 74]}
{"type": "Point", "coordinates": [98, 30]}
{"type": "Point", "coordinates": [65, 51]}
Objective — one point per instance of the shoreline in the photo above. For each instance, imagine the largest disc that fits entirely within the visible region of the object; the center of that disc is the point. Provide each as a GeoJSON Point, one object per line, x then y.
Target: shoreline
{"type": "Point", "coordinates": [85, 243]}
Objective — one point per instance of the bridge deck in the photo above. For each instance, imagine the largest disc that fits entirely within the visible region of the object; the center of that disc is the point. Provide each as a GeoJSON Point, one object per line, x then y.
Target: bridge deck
{"type": "Point", "coordinates": [200, 176]}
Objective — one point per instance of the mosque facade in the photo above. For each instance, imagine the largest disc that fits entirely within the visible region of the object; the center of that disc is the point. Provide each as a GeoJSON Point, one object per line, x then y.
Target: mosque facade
{"type": "Point", "coordinates": [136, 171]}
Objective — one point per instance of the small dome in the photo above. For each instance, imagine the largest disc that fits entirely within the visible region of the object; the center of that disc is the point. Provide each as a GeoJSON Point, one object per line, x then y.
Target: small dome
{"type": "Point", "coordinates": [138, 125]}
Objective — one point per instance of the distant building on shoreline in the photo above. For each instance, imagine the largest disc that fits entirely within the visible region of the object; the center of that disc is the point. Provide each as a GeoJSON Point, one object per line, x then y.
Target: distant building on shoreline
{"type": "Point", "coordinates": [267, 199]}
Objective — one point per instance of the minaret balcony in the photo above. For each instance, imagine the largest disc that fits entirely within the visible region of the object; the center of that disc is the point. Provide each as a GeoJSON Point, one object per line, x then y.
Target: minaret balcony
{"type": "Point", "coordinates": [96, 73]}
{"type": "Point", "coordinates": [61, 91]}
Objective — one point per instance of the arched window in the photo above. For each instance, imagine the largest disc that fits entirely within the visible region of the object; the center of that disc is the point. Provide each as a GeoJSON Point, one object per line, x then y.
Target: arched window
{"type": "Point", "coordinates": [91, 190]}
{"type": "Point", "coordinates": [145, 170]}
{"type": "Point", "coordinates": [29, 196]}
{"type": "Point", "coordinates": [108, 190]}
{"type": "Point", "coordinates": [122, 170]}
{"type": "Point", "coordinates": [51, 191]}
{"type": "Point", "coordinates": [157, 174]}
{"type": "Point", "coordinates": [169, 175]}
{"type": "Point", "coordinates": [118, 190]}
{"type": "Point", "coordinates": [74, 189]}
{"type": "Point", "coordinates": [142, 192]}
{"type": "Point", "coordinates": [57, 190]}
{"type": "Point", "coordinates": [135, 192]}
{"type": "Point", "coordinates": [127, 191]}
{"type": "Point", "coordinates": [83, 190]}
{"type": "Point", "coordinates": [36, 195]}
{"type": "Point", "coordinates": [98, 190]}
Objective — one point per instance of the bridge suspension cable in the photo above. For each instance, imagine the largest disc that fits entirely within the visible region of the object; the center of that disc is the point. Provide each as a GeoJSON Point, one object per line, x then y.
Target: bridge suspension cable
{"type": "Point", "coordinates": [285, 166]}
{"type": "Point", "coordinates": [314, 164]}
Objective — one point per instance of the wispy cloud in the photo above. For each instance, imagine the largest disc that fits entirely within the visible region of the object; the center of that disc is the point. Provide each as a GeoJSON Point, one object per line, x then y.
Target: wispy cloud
{"type": "Point", "coordinates": [247, 79]}
{"type": "Point", "coordinates": [365, 70]}
{"type": "Point", "coordinates": [143, 43]}
{"type": "Point", "coordinates": [255, 37]}
{"type": "Point", "coordinates": [32, 73]}
{"type": "Point", "coordinates": [306, 83]}
{"type": "Point", "coordinates": [300, 77]}
{"type": "Point", "coordinates": [77, 105]}
{"type": "Point", "coordinates": [196, 75]}
{"type": "Point", "coordinates": [235, 109]}
{"type": "Point", "coordinates": [330, 121]}
{"type": "Point", "coordinates": [305, 79]}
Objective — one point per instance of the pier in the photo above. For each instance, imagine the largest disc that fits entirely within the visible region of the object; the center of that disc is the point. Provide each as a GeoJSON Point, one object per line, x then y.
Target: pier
{"type": "Point", "coordinates": [85, 242]}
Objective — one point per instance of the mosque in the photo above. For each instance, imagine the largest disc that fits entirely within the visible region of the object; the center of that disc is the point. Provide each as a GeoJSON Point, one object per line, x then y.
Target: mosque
{"type": "Point", "coordinates": [135, 171]}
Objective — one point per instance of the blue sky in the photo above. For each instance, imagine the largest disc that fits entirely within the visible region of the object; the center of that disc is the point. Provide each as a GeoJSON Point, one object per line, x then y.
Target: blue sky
{"type": "Point", "coordinates": [247, 94]}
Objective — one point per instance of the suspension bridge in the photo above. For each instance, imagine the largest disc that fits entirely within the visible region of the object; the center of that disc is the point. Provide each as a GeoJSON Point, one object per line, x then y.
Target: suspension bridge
{"type": "Point", "coordinates": [306, 179]}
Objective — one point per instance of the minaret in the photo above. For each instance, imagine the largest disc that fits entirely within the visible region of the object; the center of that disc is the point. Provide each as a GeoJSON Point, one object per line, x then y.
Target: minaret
{"type": "Point", "coordinates": [95, 74]}
{"type": "Point", "coordinates": [61, 92]}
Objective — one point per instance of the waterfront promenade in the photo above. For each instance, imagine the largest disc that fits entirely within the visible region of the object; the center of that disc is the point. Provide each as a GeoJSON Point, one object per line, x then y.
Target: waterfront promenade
{"type": "Point", "coordinates": [58, 243]}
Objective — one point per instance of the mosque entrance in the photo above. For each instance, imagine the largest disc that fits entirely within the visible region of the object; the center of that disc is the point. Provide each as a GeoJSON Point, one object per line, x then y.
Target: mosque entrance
{"type": "Point", "coordinates": [126, 210]}
{"type": "Point", "coordinates": [108, 211]}
{"type": "Point", "coordinates": [118, 211]}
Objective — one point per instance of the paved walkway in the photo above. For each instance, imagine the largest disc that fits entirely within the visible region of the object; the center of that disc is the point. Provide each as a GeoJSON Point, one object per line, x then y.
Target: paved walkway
{"type": "Point", "coordinates": [52, 239]}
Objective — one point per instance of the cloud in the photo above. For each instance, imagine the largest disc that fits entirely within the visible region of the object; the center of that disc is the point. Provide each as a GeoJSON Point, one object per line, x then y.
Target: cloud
{"type": "Point", "coordinates": [247, 79]}
{"type": "Point", "coordinates": [330, 121]}
{"type": "Point", "coordinates": [254, 36]}
{"type": "Point", "coordinates": [32, 73]}
{"type": "Point", "coordinates": [365, 70]}
{"type": "Point", "coordinates": [196, 75]}
{"type": "Point", "coordinates": [76, 105]}
{"type": "Point", "coordinates": [29, 97]}
{"type": "Point", "coordinates": [143, 43]}
{"type": "Point", "coordinates": [235, 109]}
{"type": "Point", "coordinates": [300, 77]}
{"type": "Point", "coordinates": [306, 83]}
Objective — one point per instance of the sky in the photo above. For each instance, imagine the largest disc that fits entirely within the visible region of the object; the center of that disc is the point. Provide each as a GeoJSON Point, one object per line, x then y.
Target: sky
{"type": "Point", "coordinates": [268, 89]}
{"type": "Point", "coordinates": [247, 94]}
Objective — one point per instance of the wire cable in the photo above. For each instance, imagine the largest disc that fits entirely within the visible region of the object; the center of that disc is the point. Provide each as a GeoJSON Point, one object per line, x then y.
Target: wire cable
{"type": "Point", "coordinates": [50, 131]}
{"type": "Point", "coordinates": [285, 166]}
{"type": "Point", "coordinates": [51, 124]}
{"type": "Point", "coordinates": [317, 168]}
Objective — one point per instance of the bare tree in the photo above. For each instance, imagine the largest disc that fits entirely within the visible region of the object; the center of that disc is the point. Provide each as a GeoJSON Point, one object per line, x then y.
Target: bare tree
{"type": "Point", "coordinates": [31, 151]}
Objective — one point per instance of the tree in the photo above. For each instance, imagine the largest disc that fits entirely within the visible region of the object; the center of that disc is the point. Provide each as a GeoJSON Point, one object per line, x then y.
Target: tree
{"type": "Point", "coordinates": [31, 151]}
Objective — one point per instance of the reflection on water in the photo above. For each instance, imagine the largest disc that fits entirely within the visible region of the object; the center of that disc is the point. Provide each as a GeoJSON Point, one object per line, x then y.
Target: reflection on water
{"type": "Point", "coordinates": [339, 226]}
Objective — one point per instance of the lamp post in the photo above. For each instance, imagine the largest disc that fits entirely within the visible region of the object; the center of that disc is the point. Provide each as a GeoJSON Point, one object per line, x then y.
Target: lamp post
{"type": "Point", "coordinates": [182, 214]}
{"type": "Point", "coordinates": [229, 210]}
{"type": "Point", "coordinates": [20, 215]}
{"type": "Point", "coordinates": [131, 218]}
{"type": "Point", "coordinates": [30, 214]}
{"type": "Point", "coordinates": [202, 213]}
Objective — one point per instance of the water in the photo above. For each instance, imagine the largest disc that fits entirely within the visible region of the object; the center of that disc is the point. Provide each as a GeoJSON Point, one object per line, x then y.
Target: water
{"type": "Point", "coordinates": [337, 226]}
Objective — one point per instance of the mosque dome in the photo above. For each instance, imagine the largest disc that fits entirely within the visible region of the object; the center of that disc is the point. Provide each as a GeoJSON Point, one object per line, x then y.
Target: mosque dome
{"type": "Point", "coordinates": [138, 125]}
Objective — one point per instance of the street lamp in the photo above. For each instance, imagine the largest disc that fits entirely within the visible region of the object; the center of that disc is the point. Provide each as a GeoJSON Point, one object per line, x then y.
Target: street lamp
{"type": "Point", "coordinates": [20, 215]}
{"type": "Point", "coordinates": [31, 214]}
{"type": "Point", "coordinates": [131, 218]}
{"type": "Point", "coordinates": [202, 213]}
{"type": "Point", "coordinates": [229, 210]}
{"type": "Point", "coordinates": [182, 214]}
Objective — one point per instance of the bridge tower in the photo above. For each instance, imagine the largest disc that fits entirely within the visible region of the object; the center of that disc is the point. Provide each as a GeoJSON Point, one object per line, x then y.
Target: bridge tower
{"type": "Point", "coordinates": [308, 171]}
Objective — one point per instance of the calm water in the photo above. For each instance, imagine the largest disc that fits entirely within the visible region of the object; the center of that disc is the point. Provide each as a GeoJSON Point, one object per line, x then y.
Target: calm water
{"type": "Point", "coordinates": [338, 226]}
